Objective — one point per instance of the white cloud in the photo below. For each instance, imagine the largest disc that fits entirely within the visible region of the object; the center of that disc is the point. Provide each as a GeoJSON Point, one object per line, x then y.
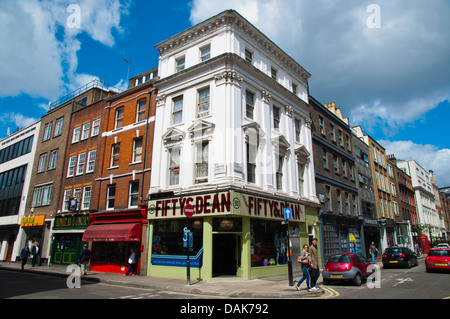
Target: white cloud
{"type": "Point", "coordinates": [39, 49]}
{"type": "Point", "coordinates": [380, 77]}
{"type": "Point", "coordinates": [428, 156]}
{"type": "Point", "coordinates": [19, 120]}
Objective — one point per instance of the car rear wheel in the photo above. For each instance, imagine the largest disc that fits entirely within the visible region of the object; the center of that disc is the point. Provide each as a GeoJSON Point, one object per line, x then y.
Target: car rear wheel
{"type": "Point", "coordinates": [357, 280]}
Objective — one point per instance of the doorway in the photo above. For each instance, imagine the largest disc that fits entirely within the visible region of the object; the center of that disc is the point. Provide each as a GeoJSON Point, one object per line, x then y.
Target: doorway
{"type": "Point", "coordinates": [225, 255]}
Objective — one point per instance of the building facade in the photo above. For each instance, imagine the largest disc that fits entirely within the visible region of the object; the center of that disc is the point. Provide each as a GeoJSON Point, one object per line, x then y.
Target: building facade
{"type": "Point", "coordinates": [334, 163]}
{"type": "Point", "coordinates": [366, 192]}
{"type": "Point", "coordinates": [429, 223]}
{"type": "Point", "coordinates": [118, 216]}
{"type": "Point", "coordinates": [233, 139]}
{"type": "Point", "coordinates": [16, 160]}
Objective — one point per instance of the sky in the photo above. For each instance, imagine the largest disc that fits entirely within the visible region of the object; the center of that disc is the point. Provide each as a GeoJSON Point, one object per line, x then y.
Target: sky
{"type": "Point", "coordinates": [384, 63]}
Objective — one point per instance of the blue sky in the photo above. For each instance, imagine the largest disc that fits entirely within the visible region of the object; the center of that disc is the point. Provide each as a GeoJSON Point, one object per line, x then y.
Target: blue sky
{"type": "Point", "coordinates": [392, 79]}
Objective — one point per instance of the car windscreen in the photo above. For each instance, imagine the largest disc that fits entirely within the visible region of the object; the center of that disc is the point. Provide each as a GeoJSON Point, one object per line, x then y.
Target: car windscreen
{"type": "Point", "coordinates": [339, 259]}
{"type": "Point", "coordinates": [439, 253]}
{"type": "Point", "coordinates": [395, 251]}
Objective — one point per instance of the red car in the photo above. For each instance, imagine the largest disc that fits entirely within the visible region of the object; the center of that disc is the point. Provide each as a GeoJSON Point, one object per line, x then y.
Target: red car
{"type": "Point", "coordinates": [438, 259]}
{"type": "Point", "coordinates": [346, 266]}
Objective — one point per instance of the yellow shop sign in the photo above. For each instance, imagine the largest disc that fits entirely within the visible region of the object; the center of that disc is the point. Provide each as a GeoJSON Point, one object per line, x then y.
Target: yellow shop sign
{"type": "Point", "coordinates": [31, 221]}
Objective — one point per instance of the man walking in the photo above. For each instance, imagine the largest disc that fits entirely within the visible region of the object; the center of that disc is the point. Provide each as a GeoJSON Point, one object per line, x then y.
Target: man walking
{"type": "Point", "coordinates": [84, 258]}
{"type": "Point", "coordinates": [315, 269]}
{"type": "Point", "coordinates": [24, 254]}
{"type": "Point", "coordinates": [35, 254]}
{"type": "Point", "coordinates": [374, 252]}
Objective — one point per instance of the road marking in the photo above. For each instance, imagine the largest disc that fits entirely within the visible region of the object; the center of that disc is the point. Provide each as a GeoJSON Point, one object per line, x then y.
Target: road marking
{"type": "Point", "coordinates": [402, 280]}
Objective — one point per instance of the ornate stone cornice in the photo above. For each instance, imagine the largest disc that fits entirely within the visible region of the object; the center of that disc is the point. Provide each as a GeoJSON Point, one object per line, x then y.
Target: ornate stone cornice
{"type": "Point", "coordinates": [230, 77]}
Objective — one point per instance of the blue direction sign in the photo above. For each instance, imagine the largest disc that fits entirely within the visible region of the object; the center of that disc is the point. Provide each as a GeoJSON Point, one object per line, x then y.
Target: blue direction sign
{"type": "Point", "coordinates": [287, 213]}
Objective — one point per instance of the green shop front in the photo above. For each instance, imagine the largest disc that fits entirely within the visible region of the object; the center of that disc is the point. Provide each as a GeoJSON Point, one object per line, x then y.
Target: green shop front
{"type": "Point", "coordinates": [67, 238]}
{"type": "Point", "coordinates": [232, 233]}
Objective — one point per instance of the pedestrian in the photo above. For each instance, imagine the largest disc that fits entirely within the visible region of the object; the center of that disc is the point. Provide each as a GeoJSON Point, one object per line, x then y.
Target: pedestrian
{"type": "Point", "coordinates": [84, 258]}
{"type": "Point", "coordinates": [131, 263]}
{"type": "Point", "coordinates": [304, 260]}
{"type": "Point", "coordinates": [24, 254]}
{"type": "Point", "coordinates": [373, 251]}
{"type": "Point", "coordinates": [35, 251]}
{"type": "Point", "coordinates": [314, 267]}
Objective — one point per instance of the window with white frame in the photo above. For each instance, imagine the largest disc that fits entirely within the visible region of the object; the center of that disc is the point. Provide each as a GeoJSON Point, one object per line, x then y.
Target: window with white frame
{"type": "Point", "coordinates": [110, 196]}
{"type": "Point", "coordinates": [341, 139]}
{"type": "Point", "coordinates": [174, 166]}
{"type": "Point", "coordinates": [203, 108]}
{"type": "Point", "coordinates": [321, 125]}
{"type": "Point", "coordinates": [86, 198]}
{"type": "Point", "coordinates": [72, 164]}
{"type": "Point", "coordinates": [58, 126]}
{"type": "Point", "coordinates": [276, 117]}
{"type": "Point", "coordinates": [205, 53]}
{"type": "Point", "coordinates": [47, 131]}
{"type": "Point", "coordinates": [248, 55]}
{"type": "Point", "coordinates": [41, 163]}
{"type": "Point", "coordinates": [77, 196]}
{"type": "Point", "coordinates": [140, 110]}
{"type": "Point", "coordinates": [177, 113]}
{"type": "Point", "coordinates": [201, 162]}
{"type": "Point", "coordinates": [396, 212]}
{"type": "Point", "coordinates": [67, 196]}
{"type": "Point", "coordinates": [344, 168]}
{"type": "Point", "coordinates": [279, 172]}
{"type": "Point", "coordinates": [273, 73]}
{"type": "Point", "coordinates": [53, 159]}
{"type": "Point", "coordinates": [339, 201]}
{"type": "Point", "coordinates": [298, 128]}
{"type": "Point", "coordinates": [134, 194]}
{"type": "Point", "coordinates": [95, 127]}
{"type": "Point", "coordinates": [328, 197]}
{"type": "Point", "coordinates": [119, 118]}
{"type": "Point", "coordinates": [180, 64]}
{"type": "Point", "coordinates": [81, 163]}
{"type": "Point", "coordinates": [251, 162]}
{"type": "Point", "coordinates": [333, 136]}
{"type": "Point", "coordinates": [86, 130]}
{"type": "Point", "coordinates": [393, 192]}
{"type": "Point", "coordinates": [347, 204]}
{"type": "Point", "coordinates": [42, 195]}
{"type": "Point", "coordinates": [336, 165]}
{"type": "Point", "coordinates": [325, 158]}
{"type": "Point", "coordinates": [249, 104]}
{"type": "Point", "coordinates": [91, 161]}
{"type": "Point", "coordinates": [115, 153]}
{"type": "Point", "coordinates": [301, 173]}
{"type": "Point", "coordinates": [137, 150]}
{"type": "Point", "coordinates": [76, 134]}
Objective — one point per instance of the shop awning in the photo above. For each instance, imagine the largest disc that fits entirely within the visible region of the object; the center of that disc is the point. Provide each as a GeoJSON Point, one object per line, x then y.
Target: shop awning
{"type": "Point", "coordinates": [113, 232]}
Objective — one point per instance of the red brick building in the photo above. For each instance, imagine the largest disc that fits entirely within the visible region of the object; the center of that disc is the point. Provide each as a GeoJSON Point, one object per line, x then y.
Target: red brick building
{"type": "Point", "coordinates": [119, 222]}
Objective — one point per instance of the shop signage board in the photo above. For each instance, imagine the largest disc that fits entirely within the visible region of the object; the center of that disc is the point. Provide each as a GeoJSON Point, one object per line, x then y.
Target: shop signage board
{"type": "Point", "coordinates": [32, 221]}
{"type": "Point", "coordinates": [229, 203]}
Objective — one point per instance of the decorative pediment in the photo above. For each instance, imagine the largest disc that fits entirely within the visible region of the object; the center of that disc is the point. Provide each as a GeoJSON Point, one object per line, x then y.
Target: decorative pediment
{"type": "Point", "coordinates": [253, 126]}
{"type": "Point", "coordinates": [302, 154]}
{"type": "Point", "coordinates": [201, 130]}
{"type": "Point", "coordinates": [280, 145]}
{"type": "Point", "coordinates": [172, 137]}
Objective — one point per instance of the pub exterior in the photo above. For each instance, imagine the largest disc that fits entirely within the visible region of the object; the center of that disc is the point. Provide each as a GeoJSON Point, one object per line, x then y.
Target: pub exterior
{"type": "Point", "coordinates": [232, 139]}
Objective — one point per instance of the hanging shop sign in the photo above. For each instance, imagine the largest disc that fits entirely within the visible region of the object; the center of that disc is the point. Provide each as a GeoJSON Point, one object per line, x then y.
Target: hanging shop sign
{"type": "Point", "coordinates": [32, 221]}
{"type": "Point", "coordinates": [230, 203]}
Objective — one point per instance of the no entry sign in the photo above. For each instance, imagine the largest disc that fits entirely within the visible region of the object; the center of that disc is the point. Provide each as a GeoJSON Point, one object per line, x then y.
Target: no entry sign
{"type": "Point", "coordinates": [189, 210]}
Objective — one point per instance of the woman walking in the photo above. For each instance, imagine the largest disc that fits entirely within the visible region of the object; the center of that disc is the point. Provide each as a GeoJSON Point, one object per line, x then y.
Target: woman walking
{"type": "Point", "coordinates": [304, 259]}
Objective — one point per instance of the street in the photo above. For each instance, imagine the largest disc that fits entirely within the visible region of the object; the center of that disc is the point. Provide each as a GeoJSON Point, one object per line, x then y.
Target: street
{"type": "Point", "coordinates": [399, 283]}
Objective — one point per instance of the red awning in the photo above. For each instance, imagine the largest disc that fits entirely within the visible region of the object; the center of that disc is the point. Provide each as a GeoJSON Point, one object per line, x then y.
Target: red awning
{"type": "Point", "coordinates": [113, 232]}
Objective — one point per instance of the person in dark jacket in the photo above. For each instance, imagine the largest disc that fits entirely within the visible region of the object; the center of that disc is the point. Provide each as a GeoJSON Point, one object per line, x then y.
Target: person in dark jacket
{"type": "Point", "coordinates": [24, 254]}
{"type": "Point", "coordinates": [35, 251]}
{"type": "Point", "coordinates": [84, 258]}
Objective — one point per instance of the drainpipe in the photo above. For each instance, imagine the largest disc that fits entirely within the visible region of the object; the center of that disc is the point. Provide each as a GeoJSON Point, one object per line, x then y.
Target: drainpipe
{"type": "Point", "coordinates": [145, 148]}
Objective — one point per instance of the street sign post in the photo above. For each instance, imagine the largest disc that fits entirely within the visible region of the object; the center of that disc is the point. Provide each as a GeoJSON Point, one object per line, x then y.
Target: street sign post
{"type": "Point", "coordinates": [189, 212]}
{"type": "Point", "coordinates": [287, 216]}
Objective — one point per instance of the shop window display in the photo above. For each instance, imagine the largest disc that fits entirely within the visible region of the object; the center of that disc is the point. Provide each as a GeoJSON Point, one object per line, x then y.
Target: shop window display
{"type": "Point", "coordinates": [113, 252]}
{"type": "Point", "coordinates": [168, 236]}
{"type": "Point", "coordinates": [268, 243]}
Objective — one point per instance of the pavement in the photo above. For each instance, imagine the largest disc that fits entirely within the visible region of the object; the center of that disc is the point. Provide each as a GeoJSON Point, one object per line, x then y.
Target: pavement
{"type": "Point", "coordinates": [276, 287]}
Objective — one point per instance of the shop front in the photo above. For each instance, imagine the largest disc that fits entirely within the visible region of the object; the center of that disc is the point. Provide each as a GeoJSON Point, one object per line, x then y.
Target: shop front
{"type": "Point", "coordinates": [114, 235]}
{"type": "Point", "coordinates": [67, 238]}
{"type": "Point", "coordinates": [232, 233]}
{"type": "Point", "coordinates": [37, 229]}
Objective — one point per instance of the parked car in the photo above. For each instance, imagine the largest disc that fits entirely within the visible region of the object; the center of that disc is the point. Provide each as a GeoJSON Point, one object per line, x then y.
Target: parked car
{"type": "Point", "coordinates": [346, 267]}
{"type": "Point", "coordinates": [438, 259]}
{"type": "Point", "coordinates": [399, 256]}
{"type": "Point", "coordinates": [443, 245]}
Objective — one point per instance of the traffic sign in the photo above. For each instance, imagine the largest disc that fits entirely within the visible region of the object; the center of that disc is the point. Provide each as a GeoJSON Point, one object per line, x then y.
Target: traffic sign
{"type": "Point", "coordinates": [287, 213]}
{"type": "Point", "coordinates": [189, 210]}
